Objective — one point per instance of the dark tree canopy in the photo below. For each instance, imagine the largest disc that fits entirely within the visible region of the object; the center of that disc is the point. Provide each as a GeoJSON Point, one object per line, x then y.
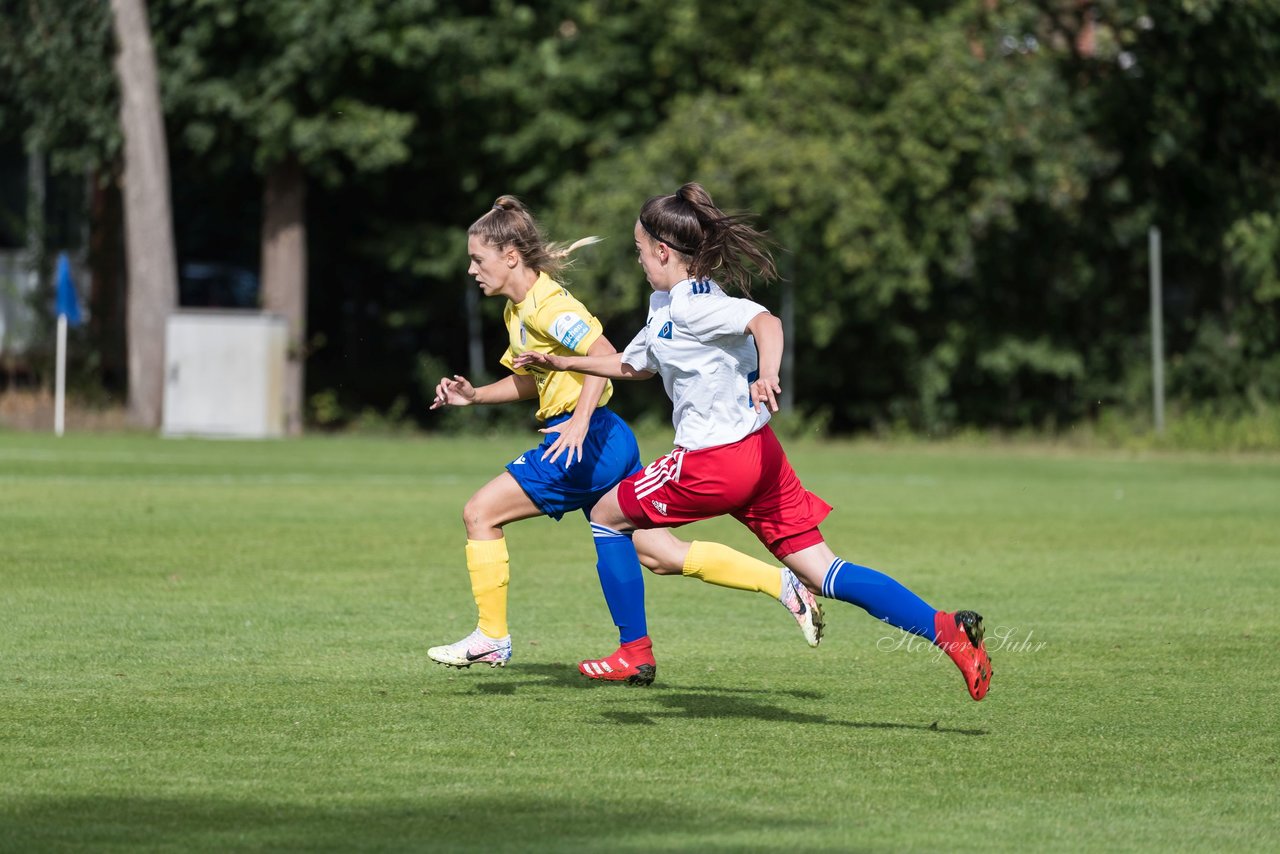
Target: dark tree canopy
{"type": "Point", "coordinates": [962, 189]}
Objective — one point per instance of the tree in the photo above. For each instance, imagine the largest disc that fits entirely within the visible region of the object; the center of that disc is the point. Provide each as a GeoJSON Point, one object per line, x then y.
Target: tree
{"type": "Point", "coordinates": [58, 97]}
{"type": "Point", "coordinates": [294, 86]}
{"type": "Point", "coordinates": [148, 219]}
{"type": "Point", "coordinates": [886, 154]}
{"type": "Point", "coordinates": [56, 81]}
{"type": "Point", "coordinates": [961, 188]}
{"type": "Point", "coordinates": [1188, 96]}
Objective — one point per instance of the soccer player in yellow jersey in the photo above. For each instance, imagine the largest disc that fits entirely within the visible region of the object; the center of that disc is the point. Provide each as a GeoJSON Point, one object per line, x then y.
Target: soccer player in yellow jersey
{"type": "Point", "coordinates": [510, 258]}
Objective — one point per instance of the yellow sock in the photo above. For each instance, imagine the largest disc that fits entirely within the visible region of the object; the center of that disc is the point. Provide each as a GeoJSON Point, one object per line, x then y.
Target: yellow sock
{"type": "Point", "coordinates": [490, 570]}
{"type": "Point", "coordinates": [717, 564]}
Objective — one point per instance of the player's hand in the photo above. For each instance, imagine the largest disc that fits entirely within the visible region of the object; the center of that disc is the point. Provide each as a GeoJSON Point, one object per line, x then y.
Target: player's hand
{"type": "Point", "coordinates": [572, 435]}
{"type": "Point", "coordinates": [454, 392]}
{"type": "Point", "coordinates": [765, 390]}
{"type": "Point", "coordinates": [530, 359]}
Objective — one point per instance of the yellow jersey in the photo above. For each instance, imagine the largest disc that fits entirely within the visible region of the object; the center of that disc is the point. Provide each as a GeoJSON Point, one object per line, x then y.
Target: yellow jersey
{"type": "Point", "coordinates": [549, 320]}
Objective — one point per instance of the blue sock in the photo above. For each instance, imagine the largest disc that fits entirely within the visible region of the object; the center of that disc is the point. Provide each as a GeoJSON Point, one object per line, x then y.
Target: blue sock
{"type": "Point", "coordinates": [622, 581]}
{"type": "Point", "coordinates": [880, 596]}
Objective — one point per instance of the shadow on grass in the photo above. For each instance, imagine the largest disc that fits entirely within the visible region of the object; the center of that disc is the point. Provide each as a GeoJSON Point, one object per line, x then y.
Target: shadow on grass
{"type": "Point", "coordinates": [687, 703]}
{"type": "Point", "coordinates": [715, 704]}
{"type": "Point", "coordinates": [514, 680]}
{"type": "Point", "coordinates": [433, 823]}
{"type": "Point", "coordinates": [567, 676]}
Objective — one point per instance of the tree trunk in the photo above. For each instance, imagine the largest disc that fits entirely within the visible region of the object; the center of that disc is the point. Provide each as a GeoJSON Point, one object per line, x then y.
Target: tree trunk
{"type": "Point", "coordinates": [107, 296]}
{"type": "Point", "coordinates": [284, 274]}
{"type": "Point", "coordinates": [150, 256]}
{"type": "Point", "coordinates": [37, 185]}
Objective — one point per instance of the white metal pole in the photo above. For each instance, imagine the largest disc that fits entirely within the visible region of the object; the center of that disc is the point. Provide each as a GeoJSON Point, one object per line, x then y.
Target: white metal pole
{"type": "Point", "coordinates": [1157, 330]}
{"type": "Point", "coordinates": [60, 384]}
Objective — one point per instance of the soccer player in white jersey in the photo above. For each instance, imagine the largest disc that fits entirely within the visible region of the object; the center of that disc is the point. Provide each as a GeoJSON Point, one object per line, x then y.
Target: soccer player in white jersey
{"type": "Point", "coordinates": [511, 259]}
{"type": "Point", "coordinates": [719, 357]}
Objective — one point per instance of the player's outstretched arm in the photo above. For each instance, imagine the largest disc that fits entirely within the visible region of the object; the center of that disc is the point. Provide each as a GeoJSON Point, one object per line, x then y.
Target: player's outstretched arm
{"type": "Point", "coordinates": [458, 391]}
{"type": "Point", "coordinates": [611, 366]}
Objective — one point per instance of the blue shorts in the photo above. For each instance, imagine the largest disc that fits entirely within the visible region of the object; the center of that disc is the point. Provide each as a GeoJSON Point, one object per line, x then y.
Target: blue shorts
{"type": "Point", "coordinates": [609, 456]}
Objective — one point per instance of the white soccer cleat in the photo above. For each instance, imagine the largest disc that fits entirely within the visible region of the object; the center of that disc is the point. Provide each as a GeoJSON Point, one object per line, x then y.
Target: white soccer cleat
{"type": "Point", "coordinates": [475, 648]}
{"type": "Point", "coordinates": [803, 607]}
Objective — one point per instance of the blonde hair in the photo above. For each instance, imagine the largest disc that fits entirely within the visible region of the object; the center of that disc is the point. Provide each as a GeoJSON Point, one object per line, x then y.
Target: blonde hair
{"type": "Point", "coordinates": [509, 223]}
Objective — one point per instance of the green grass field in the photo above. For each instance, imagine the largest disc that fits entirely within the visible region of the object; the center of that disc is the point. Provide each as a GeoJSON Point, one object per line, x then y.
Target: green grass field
{"type": "Point", "coordinates": [221, 646]}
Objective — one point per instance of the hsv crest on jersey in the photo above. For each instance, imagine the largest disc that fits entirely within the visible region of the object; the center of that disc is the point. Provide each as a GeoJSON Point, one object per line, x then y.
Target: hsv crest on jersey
{"type": "Point", "coordinates": [665, 332]}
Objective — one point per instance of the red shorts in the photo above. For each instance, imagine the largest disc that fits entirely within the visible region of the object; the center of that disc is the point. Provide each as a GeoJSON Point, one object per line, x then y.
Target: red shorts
{"type": "Point", "coordinates": [750, 480]}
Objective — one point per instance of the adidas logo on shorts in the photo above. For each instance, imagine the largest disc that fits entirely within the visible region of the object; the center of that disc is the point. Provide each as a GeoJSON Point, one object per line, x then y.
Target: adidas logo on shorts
{"type": "Point", "coordinates": [660, 507]}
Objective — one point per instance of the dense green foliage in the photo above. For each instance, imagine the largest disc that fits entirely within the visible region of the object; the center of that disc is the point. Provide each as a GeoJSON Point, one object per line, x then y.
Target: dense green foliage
{"type": "Point", "coordinates": [961, 191]}
{"type": "Point", "coordinates": [220, 646]}
{"type": "Point", "coordinates": [57, 87]}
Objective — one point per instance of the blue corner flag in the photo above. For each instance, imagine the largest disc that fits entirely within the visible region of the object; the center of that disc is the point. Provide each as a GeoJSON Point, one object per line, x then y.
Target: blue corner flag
{"type": "Point", "coordinates": [68, 299]}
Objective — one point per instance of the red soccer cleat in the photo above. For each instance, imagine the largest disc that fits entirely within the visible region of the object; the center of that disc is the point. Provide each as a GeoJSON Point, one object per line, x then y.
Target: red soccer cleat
{"type": "Point", "coordinates": [633, 663]}
{"type": "Point", "coordinates": [959, 635]}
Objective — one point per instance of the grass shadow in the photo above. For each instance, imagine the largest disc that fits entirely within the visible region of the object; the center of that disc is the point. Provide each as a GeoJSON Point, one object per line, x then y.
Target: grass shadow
{"type": "Point", "coordinates": [685, 703]}
{"type": "Point", "coordinates": [543, 676]}
{"type": "Point", "coordinates": [719, 705]}
{"type": "Point", "coordinates": [443, 822]}
{"type": "Point", "coordinates": [567, 676]}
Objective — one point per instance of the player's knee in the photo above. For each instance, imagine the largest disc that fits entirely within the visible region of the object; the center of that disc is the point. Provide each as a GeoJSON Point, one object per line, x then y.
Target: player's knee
{"type": "Point", "coordinates": [475, 517]}
{"type": "Point", "coordinates": [602, 514]}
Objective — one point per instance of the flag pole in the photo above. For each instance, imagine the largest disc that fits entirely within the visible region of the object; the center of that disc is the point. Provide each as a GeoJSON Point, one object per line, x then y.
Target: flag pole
{"type": "Point", "coordinates": [60, 385]}
{"type": "Point", "coordinates": [68, 315]}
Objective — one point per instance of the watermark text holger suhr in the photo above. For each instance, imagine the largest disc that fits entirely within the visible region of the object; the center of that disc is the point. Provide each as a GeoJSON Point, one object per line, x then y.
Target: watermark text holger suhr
{"type": "Point", "coordinates": [999, 639]}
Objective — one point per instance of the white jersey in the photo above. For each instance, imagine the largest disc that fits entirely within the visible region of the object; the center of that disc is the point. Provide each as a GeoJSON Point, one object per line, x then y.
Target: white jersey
{"type": "Point", "coordinates": [696, 339]}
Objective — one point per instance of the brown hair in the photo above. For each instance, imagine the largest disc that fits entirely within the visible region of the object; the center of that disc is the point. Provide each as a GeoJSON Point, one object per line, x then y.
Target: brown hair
{"type": "Point", "coordinates": [509, 223]}
{"type": "Point", "coordinates": [718, 245]}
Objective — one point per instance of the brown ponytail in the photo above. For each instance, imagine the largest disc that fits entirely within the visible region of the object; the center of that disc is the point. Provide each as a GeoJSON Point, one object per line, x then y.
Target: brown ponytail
{"type": "Point", "coordinates": [718, 245]}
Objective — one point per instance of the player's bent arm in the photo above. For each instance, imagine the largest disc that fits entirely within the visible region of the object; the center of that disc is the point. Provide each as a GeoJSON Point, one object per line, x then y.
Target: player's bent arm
{"type": "Point", "coordinates": [767, 330]}
{"type": "Point", "coordinates": [573, 432]}
{"type": "Point", "coordinates": [593, 386]}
